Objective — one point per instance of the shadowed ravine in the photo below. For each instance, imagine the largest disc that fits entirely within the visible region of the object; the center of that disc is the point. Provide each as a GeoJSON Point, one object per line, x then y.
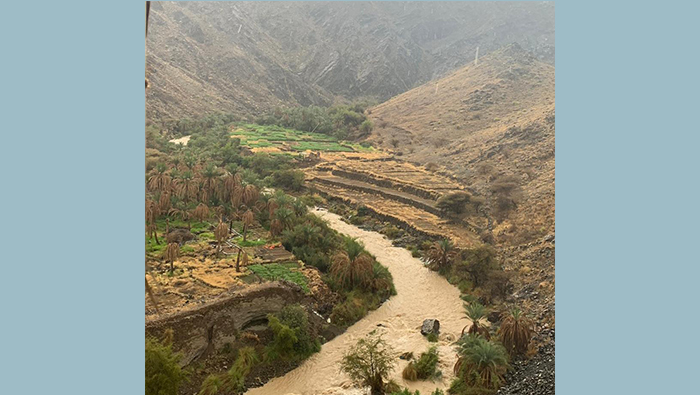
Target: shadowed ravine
{"type": "Point", "coordinates": [421, 294]}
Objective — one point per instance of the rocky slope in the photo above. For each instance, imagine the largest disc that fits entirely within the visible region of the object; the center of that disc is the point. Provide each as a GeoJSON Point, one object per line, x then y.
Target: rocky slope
{"type": "Point", "coordinates": [247, 57]}
{"type": "Point", "coordinates": [485, 123]}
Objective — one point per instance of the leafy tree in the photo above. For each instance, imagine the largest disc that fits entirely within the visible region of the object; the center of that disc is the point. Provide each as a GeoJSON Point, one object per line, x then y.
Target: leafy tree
{"type": "Point", "coordinates": [454, 203]}
{"type": "Point", "coordinates": [478, 263]}
{"type": "Point", "coordinates": [288, 179]}
{"type": "Point", "coordinates": [369, 363]}
{"type": "Point", "coordinates": [292, 334]}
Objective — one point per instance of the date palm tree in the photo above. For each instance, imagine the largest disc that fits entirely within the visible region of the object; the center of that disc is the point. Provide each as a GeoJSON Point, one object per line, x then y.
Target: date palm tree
{"type": "Point", "coordinates": [352, 267]}
{"type": "Point", "coordinates": [248, 219]}
{"type": "Point", "coordinates": [481, 363]}
{"type": "Point", "coordinates": [442, 255]}
{"type": "Point", "coordinates": [476, 312]}
{"type": "Point", "coordinates": [221, 234]}
{"type": "Point", "coordinates": [152, 212]}
{"type": "Point", "coordinates": [515, 331]}
{"type": "Point", "coordinates": [209, 179]}
{"type": "Point", "coordinates": [231, 182]}
{"type": "Point", "coordinates": [201, 212]}
{"type": "Point", "coordinates": [159, 180]}
{"type": "Point", "coordinates": [172, 252]}
{"type": "Point", "coordinates": [250, 195]}
{"type": "Point", "coordinates": [187, 187]}
{"type": "Point", "coordinates": [285, 216]}
{"type": "Point", "coordinates": [183, 213]}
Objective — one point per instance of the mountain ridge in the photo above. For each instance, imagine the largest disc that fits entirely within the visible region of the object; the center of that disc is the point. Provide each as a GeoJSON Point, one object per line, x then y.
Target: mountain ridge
{"type": "Point", "coordinates": [249, 57]}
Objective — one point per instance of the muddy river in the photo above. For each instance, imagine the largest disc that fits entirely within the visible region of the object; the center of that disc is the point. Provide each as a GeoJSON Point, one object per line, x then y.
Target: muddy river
{"type": "Point", "coordinates": [421, 294]}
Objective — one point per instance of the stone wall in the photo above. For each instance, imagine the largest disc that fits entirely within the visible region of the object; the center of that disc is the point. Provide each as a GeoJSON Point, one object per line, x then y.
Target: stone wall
{"type": "Point", "coordinates": [204, 329]}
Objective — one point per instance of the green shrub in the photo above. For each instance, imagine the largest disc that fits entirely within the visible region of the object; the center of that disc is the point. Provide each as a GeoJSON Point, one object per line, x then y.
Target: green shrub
{"type": "Point", "coordinates": [292, 180]}
{"type": "Point", "coordinates": [163, 373]}
{"type": "Point", "coordinates": [433, 338]}
{"type": "Point", "coordinates": [292, 337]}
{"type": "Point", "coordinates": [391, 231]}
{"type": "Point", "coordinates": [426, 365]}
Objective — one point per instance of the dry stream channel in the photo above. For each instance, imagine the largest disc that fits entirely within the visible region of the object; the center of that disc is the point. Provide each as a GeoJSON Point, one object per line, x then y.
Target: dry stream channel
{"type": "Point", "coordinates": [421, 294]}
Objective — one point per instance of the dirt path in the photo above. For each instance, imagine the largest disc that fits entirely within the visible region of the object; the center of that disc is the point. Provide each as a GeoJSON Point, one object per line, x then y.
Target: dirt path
{"type": "Point", "coordinates": [421, 294]}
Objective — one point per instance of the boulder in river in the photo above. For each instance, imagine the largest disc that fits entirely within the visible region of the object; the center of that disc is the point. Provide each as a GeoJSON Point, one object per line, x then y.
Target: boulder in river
{"type": "Point", "coordinates": [430, 326]}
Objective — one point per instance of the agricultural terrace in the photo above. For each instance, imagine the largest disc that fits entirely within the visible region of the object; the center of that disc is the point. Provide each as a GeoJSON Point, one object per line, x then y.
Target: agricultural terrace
{"type": "Point", "coordinates": [273, 138]}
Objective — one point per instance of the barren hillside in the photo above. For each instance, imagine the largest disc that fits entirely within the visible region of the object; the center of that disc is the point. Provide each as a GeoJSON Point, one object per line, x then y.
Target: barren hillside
{"type": "Point", "coordinates": [486, 122]}
{"type": "Point", "coordinates": [246, 57]}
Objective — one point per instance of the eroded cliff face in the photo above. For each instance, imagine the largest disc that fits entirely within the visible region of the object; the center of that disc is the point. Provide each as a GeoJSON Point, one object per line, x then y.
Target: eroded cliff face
{"type": "Point", "coordinates": [247, 57]}
{"type": "Point", "coordinates": [204, 329]}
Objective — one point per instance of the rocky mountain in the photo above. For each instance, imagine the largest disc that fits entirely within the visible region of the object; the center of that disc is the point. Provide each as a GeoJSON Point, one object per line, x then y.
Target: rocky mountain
{"type": "Point", "coordinates": [247, 57]}
{"type": "Point", "coordinates": [492, 125]}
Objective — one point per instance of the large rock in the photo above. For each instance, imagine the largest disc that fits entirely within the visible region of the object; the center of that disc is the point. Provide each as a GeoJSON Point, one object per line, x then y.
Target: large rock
{"type": "Point", "coordinates": [430, 326]}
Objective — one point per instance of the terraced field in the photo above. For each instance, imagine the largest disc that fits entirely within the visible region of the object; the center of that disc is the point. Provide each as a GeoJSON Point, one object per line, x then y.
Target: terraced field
{"type": "Point", "coordinates": [395, 190]}
{"type": "Point", "coordinates": [271, 138]}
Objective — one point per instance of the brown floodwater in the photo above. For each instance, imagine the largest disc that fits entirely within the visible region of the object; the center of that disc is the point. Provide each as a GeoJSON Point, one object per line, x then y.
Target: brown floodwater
{"type": "Point", "coordinates": [421, 294]}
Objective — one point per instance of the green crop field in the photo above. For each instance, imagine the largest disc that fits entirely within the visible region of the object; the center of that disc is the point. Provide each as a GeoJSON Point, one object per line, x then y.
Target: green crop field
{"type": "Point", "coordinates": [275, 271]}
{"type": "Point", "coordinates": [264, 136]}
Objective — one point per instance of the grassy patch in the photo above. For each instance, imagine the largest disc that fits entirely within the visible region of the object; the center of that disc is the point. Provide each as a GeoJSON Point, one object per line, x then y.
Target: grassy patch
{"type": "Point", "coordinates": [274, 271]}
{"type": "Point", "coordinates": [263, 136]}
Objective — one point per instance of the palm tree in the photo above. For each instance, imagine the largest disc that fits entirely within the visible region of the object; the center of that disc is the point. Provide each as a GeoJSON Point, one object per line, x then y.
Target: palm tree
{"type": "Point", "coordinates": [275, 227]}
{"type": "Point", "coordinates": [232, 181]}
{"type": "Point", "coordinates": [352, 267]}
{"type": "Point", "coordinates": [186, 187]}
{"type": "Point", "coordinates": [248, 219]}
{"type": "Point", "coordinates": [481, 363]}
{"type": "Point", "coordinates": [183, 213]}
{"type": "Point", "coordinates": [442, 254]}
{"type": "Point", "coordinates": [221, 234]}
{"type": "Point", "coordinates": [209, 179]}
{"type": "Point", "coordinates": [250, 195]}
{"type": "Point", "coordinates": [152, 212]}
{"type": "Point", "coordinates": [285, 216]}
{"type": "Point", "coordinates": [172, 251]}
{"type": "Point", "coordinates": [164, 202]}
{"type": "Point", "coordinates": [515, 331]}
{"type": "Point", "coordinates": [271, 207]}
{"type": "Point", "coordinates": [159, 180]}
{"type": "Point", "coordinates": [201, 212]}
{"type": "Point", "coordinates": [475, 312]}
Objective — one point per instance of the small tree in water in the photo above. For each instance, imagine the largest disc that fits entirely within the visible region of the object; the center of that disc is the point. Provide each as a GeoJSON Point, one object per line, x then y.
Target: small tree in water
{"type": "Point", "coordinates": [369, 363]}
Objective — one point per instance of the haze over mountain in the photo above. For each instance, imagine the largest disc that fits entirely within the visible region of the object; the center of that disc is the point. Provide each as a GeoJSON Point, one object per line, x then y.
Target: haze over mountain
{"type": "Point", "coordinates": [247, 57]}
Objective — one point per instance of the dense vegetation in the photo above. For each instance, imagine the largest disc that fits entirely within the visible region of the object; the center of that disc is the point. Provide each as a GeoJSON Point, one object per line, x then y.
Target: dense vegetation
{"type": "Point", "coordinates": [219, 194]}
{"type": "Point", "coordinates": [342, 122]}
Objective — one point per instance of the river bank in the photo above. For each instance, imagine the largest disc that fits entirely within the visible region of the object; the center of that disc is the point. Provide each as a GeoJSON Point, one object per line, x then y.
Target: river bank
{"type": "Point", "coordinates": [421, 294]}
